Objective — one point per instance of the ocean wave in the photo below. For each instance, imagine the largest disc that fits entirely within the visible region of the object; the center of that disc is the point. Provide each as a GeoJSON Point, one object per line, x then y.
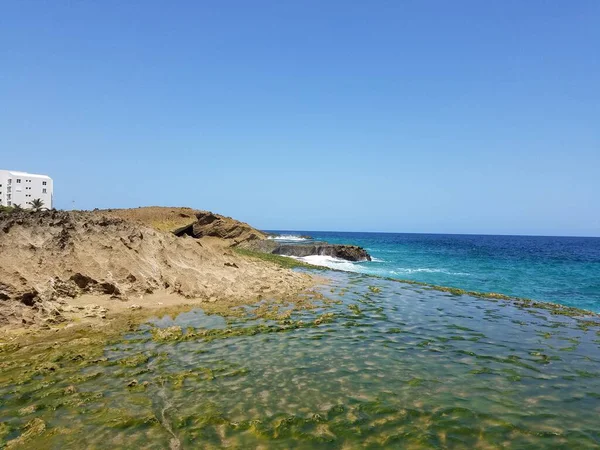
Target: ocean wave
{"type": "Point", "coordinates": [373, 259]}
{"type": "Point", "coordinates": [331, 262]}
{"type": "Point", "coordinates": [407, 270]}
{"type": "Point", "coordinates": [288, 237]}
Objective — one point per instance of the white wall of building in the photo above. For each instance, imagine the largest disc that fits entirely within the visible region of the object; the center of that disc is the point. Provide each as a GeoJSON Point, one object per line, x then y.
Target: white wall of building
{"type": "Point", "coordinates": [20, 188]}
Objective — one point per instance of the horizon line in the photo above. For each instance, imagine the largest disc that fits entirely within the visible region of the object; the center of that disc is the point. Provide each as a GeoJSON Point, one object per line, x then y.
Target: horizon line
{"type": "Point", "coordinates": [436, 233]}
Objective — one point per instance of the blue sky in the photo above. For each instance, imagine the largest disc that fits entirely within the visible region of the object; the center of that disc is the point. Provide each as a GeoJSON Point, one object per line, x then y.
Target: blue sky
{"type": "Point", "coordinates": [407, 116]}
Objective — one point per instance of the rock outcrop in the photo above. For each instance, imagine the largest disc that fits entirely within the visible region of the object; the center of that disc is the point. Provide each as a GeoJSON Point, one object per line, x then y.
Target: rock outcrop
{"type": "Point", "coordinates": [189, 222]}
{"type": "Point", "coordinates": [48, 257]}
{"type": "Point", "coordinates": [215, 225]}
{"type": "Point", "coordinates": [346, 252]}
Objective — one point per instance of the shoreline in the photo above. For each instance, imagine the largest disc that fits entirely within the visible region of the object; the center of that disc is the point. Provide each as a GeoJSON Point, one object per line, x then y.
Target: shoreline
{"type": "Point", "coordinates": [101, 315]}
{"type": "Point", "coordinates": [100, 318]}
{"type": "Point", "coordinates": [107, 316]}
{"type": "Point", "coordinates": [60, 265]}
{"type": "Point", "coordinates": [556, 308]}
{"type": "Point", "coordinates": [558, 270]}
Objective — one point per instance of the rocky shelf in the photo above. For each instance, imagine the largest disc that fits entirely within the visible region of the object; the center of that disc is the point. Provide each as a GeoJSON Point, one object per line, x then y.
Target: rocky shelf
{"type": "Point", "coordinates": [346, 252]}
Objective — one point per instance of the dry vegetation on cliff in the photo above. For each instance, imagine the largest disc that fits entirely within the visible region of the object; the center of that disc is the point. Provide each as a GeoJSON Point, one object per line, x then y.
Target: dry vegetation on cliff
{"type": "Point", "coordinates": [159, 217]}
{"type": "Point", "coordinates": [188, 221]}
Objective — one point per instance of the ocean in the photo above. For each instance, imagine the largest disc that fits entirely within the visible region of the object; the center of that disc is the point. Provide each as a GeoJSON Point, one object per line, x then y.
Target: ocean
{"type": "Point", "coordinates": [564, 270]}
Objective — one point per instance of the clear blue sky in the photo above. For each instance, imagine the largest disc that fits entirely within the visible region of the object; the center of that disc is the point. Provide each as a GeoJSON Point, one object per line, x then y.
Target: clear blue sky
{"type": "Point", "coordinates": [408, 116]}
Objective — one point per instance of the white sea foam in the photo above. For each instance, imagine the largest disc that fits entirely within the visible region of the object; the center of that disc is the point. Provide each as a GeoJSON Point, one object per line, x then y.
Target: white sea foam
{"type": "Point", "coordinates": [373, 259]}
{"type": "Point", "coordinates": [329, 261]}
{"type": "Point", "coordinates": [287, 237]}
{"type": "Point", "coordinates": [407, 270]}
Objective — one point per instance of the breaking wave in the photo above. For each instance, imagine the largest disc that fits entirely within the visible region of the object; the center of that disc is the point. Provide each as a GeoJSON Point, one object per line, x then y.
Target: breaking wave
{"type": "Point", "coordinates": [288, 237]}
{"type": "Point", "coordinates": [408, 270]}
{"type": "Point", "coordinates": [331, 262]}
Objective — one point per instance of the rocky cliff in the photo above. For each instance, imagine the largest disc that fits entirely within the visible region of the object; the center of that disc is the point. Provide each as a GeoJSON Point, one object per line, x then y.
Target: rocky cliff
{"type": "Point", "coordinates": [215, 225]}
{"type": "Point", "coordinates": [48, 257]}
{"type": "Point", "coordinates": [189, 222]}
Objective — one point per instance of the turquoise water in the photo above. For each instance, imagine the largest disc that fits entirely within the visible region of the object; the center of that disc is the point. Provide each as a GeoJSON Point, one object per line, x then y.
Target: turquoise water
{"type": "Point", "coordinates": [563, 270]}
{"type": "Point", "coordinates": [375, 364]}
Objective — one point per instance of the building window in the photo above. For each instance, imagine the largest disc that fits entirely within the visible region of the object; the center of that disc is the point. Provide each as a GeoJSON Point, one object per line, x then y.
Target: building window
{"type": "Point", "coordinates": [9, 203]}
{"type": "Point", "coordinates": [18, 180]}
{"type": "Point", "coordinates": [43, 183]}
{"type": "Point", "coordinates": [10, 181]}
{"type": "Point", "coordinates": [43, 191]}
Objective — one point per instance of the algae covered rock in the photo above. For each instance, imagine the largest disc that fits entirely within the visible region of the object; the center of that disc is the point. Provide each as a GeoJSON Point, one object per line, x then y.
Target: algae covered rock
{"type": "Point", "coordinates": [33, 428]}
{"type": "Point", "coordinates": [166, 334]}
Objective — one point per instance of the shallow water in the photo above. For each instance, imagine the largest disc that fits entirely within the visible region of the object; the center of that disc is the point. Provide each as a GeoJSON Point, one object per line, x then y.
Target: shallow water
{"type": "Point", "coordinates": [386, 365]}
{"type": "Point", "coordinates": [562, 270]}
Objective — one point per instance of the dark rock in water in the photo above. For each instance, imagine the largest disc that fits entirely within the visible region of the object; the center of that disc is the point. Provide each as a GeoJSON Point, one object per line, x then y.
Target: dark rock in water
{"type": "Point", "coordinates": [347, 252]}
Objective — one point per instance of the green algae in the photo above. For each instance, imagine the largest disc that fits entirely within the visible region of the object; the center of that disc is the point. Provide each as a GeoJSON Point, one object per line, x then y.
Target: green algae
{"type": "Point", "coordinates": [5, 430]}
{"type": "Point", "coordinates": [522, 302]}
{"type": "Point", "coordinates": [175, 334]}
{"type": "Point", "coordinates": [32, 429]}
{"type": "Point", "coordinates": [394, 331]}
{"type": "Point", "coordinates": [282, 261]}
{"type": "Point", "coordinates": [167, 334]}
{"type": "Point", "coordinates": [355, 309]}
{"type": "Point", "coordinates": [134, 361]}
{"type": "Point", "coordinates": [375, 370]}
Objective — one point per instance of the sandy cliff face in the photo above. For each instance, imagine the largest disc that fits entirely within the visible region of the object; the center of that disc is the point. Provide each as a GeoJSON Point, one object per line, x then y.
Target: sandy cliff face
{"type": "Point", "coordinates": [50, 256]}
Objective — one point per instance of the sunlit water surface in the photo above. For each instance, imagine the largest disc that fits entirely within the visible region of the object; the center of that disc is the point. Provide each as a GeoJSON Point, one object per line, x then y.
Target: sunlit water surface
{"type": "Point", "coordinates": [397, 366]}
{"type": "Point", "coordinates": [563, 270]}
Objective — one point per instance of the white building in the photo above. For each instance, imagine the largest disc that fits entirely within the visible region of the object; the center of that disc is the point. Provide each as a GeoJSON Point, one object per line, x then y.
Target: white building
{"type": "Point", "coordinates": [20, 188]}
